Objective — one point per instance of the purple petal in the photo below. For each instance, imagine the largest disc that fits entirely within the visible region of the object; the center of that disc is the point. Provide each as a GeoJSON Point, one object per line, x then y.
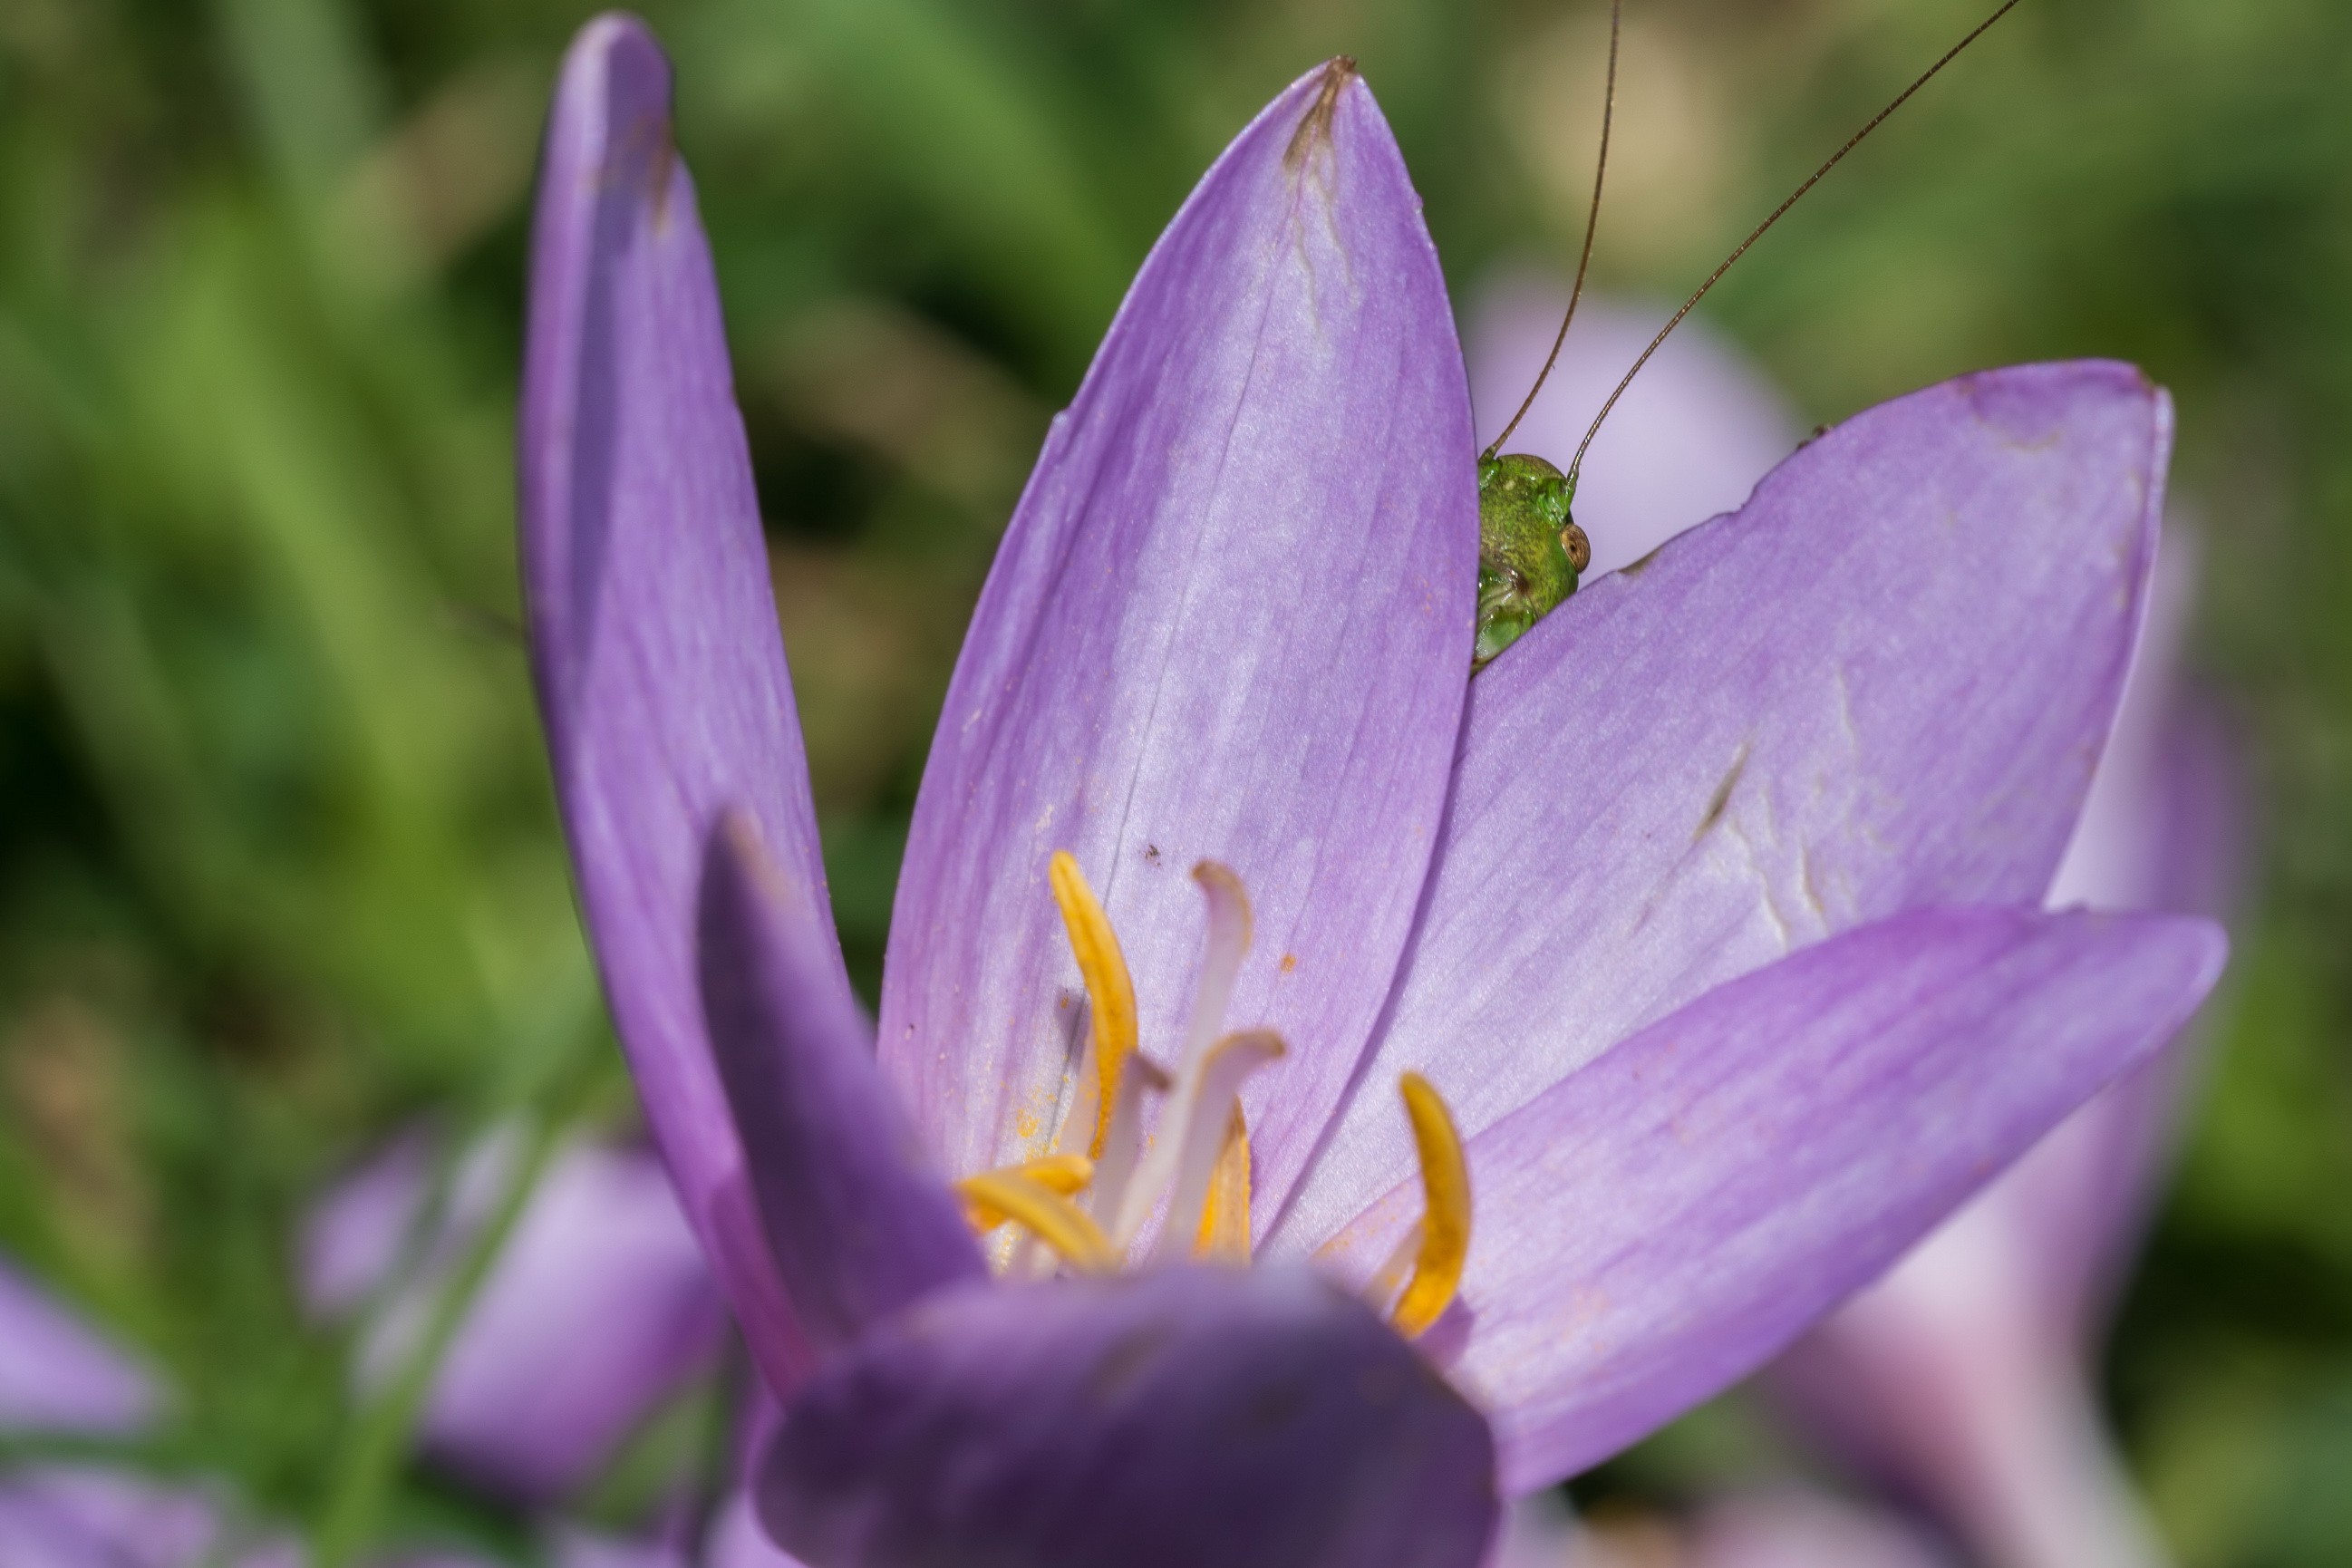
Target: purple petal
{"type": "Point", "coordinates": [653, 628]}
{"type": "Point", "coordinates": [575, 1548]}
{"type": "Point", "coordinates": [1943, 1382]}
{"type": "Point", "coordinates": [82, 1516]}
{"type": "Point", "coordinates": [1257, 1419]}
{"type": "Point", "coordinates": [1786, 1528]}
{"type": "Point", "coordinates": [1960, 1377]}
{"type": "Point", "coordinates": [1690, 438]}
{"type": "Point", "coordinates": [2123, 844]}
{"type": "Point", "coordinates": [1231, 621]}
{"type": "Point", "coordinates": [354, 1237]}
{"type": "Point", "coordinates": [59, 1374]}
{"type": "Point", "coordinates": [736, 1539]}
{"type": "Point", "coordinates": [1801, 1530]}
{"type": "Point", "coordinates": [1822, 711]}
{"type": "Point", "coordinates": [2084, 1194]}
{"type": "Point", "coordinates": [1659, 1223]}
{"type": "Point", "coordinates": [858, 1225]}
{"type": "Point", "coordinates": [599, 1307]}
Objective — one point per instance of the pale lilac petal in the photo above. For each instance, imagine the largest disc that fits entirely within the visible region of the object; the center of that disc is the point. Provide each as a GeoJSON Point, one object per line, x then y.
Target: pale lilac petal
{"type": "Point", "coordinates": [83, 1516]}
{"type": "Point", "coordinates": [354, 1236]}
{"type": "Point", "coordinates": [599, 1307]}
{"type": "Point", "coordinates": [736, 1539]}
{"type": "Point", "coordinates": [1781, 1529]}
{"type": "Point", "coordinates": [1944, 1381]}
{"type": "Point", "coordinates": [1960, 1377]}
{"type": "Point", "coordinates": [2084, 1196]}
{"type": "Point", "coordinates": [1818, 712]}
{"type": "Point", "coordinates": [575, 1548]}
{"type": "Point", "coordinates": [2077, 1202]}
{"type": "Point", "coordinates": [1659, 1223]}
{"type": "Point", "coordinates": [446, 1223]}
{"type": "Point", "coordinates": [2117, 857]}
{"type": "Point", "coordinates": [1231, 621]}
{"type": "Point", "coordinates": [59, 1516]}
{"type": "Point", "coordinates": [1255, 1419]}
{"type": "Point", "coordinates": [1539, 1531]}
{"type": "Point", "coordinates": [652, 629]}
{"type": "Point", "coordinates": [59, 1374]}
{"type": "Point", "coordinates": [1690, 438]}
{"type": "Point", "coordinates": [858, 1225]}
{"type": "Point", "coordinates": [1804, 1529]}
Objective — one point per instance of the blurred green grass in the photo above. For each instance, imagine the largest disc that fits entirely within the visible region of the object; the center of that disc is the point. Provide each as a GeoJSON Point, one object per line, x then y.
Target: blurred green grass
{"type": "Point", "coordinates": [278, 866]}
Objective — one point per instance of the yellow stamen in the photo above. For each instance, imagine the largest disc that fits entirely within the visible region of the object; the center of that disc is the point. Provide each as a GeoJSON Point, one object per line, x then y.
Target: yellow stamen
{"type": "Point", "coordinates": [1445, 1213]}
{"type": "Point", "coordinates": [1047, 1215]}
{"type": "Point", "coordinates": [1108, 986]}
{"type": "Point", "coordinates": [1064, 1174]}
{"type": "Point", "coordinates": [1225, 1219]}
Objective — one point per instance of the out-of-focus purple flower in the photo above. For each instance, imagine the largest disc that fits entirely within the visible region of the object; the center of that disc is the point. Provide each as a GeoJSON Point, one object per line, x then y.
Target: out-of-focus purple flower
{"type": "Point", "coordinates": [57, 1374]}
{"type": "Point", "coordinates": [575, 1548]}
{"type": "Point", "coordinates": [60, 1377]}
{"type": "Point", "coordinates": [1711, 909]}
{"type": "Point", "coordinates": [1782, 1528]}
{"type": "Point", "coordinates": [598, 1307]}
{"type": "Point", "coordinates": [83, 1516]}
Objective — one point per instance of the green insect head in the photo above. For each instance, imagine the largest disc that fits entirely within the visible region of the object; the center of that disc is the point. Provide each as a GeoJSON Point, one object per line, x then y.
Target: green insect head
{"type": "Point", "coordinates": [1530, 553]}
{"type": "Point", "coordinates": [1530, 549]}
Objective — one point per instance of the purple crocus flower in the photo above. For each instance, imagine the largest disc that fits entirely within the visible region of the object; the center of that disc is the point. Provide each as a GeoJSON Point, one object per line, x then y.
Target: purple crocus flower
{"type": "Point", "coordinates": [58, 1515]}
{"type": "Point", "coordinates": [598, 1307]}
{"type": "Point", "coordinates": [59, 1376]}
{"type": "Point", "coordinates": [1711, 909]}
{"type": "Point", "coordinates": [1782, 1528]}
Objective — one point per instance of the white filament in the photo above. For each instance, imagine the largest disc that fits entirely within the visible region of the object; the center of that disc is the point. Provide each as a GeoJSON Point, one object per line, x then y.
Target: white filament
{"type": "Point", "coordinates": [1221, 951]}
{"type": "Point", "coordinates": [1198, 1134]}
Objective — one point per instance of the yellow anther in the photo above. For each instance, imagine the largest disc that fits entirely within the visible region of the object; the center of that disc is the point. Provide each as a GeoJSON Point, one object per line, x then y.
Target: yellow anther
{"type": "Point", "coordinates": [1445, 1212]}
{"type": "Point", "coordinates": [1064, 1174]}
{"type": "Point", "coordinates": [1109, 985]}
{"type": "Point", "coordinates": [1050, 1217]}
{"type": "Point", "coordinates": [1225, 1219]}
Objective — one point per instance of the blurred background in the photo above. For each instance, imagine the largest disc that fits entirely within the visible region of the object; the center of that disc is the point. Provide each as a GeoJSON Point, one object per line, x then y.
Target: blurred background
{"type": "Point", "coordinates": [281, 887]}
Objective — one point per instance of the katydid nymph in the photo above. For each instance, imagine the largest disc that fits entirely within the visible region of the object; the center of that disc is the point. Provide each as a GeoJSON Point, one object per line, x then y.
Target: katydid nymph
{"type": "Point", "coordinates": [1530, 551]}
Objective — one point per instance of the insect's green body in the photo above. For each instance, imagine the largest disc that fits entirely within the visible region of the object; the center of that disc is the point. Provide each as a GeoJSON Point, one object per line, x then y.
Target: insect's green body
{"type": "Point", "coordinates": [1530, 549]}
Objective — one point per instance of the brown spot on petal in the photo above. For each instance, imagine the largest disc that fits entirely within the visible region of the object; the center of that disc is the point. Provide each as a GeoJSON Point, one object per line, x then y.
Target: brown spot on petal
{"type": "Point", "coordinates": [1316, 126]}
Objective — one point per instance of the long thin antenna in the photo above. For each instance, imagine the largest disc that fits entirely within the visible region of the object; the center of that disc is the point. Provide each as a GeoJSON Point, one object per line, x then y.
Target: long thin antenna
{"type": "Point", "coordinates": [1592, 221]}
{"type": "Point", "coordinates": [1810, 181]}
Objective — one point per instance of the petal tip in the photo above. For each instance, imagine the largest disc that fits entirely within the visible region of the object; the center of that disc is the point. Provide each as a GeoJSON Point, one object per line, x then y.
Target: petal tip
{"type": "Point", "coordinates": [613, 97]}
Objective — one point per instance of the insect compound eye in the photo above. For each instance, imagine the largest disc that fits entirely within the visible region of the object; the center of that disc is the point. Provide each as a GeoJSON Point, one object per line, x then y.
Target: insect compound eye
{"type": "Point", "coordinates": [1579, 547]}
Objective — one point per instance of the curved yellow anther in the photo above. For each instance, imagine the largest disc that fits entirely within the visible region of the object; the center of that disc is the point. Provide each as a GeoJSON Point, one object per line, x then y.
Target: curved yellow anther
{"type": "Point", "coordinates": [1051, 1217]}
{"type": "Point", "coordinates": [1108, 986]}
{"type": "Point", "coordinates": [1445, 1215]}
{"type": "Point", "coordinates": [1064, 1174]}
{"type": "Point", "coordinates": [1224, 1234]}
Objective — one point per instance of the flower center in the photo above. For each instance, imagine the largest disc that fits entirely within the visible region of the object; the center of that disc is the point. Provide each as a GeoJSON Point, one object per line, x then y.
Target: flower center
{"type": "Point", "coordinates": [1085, 1206]}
